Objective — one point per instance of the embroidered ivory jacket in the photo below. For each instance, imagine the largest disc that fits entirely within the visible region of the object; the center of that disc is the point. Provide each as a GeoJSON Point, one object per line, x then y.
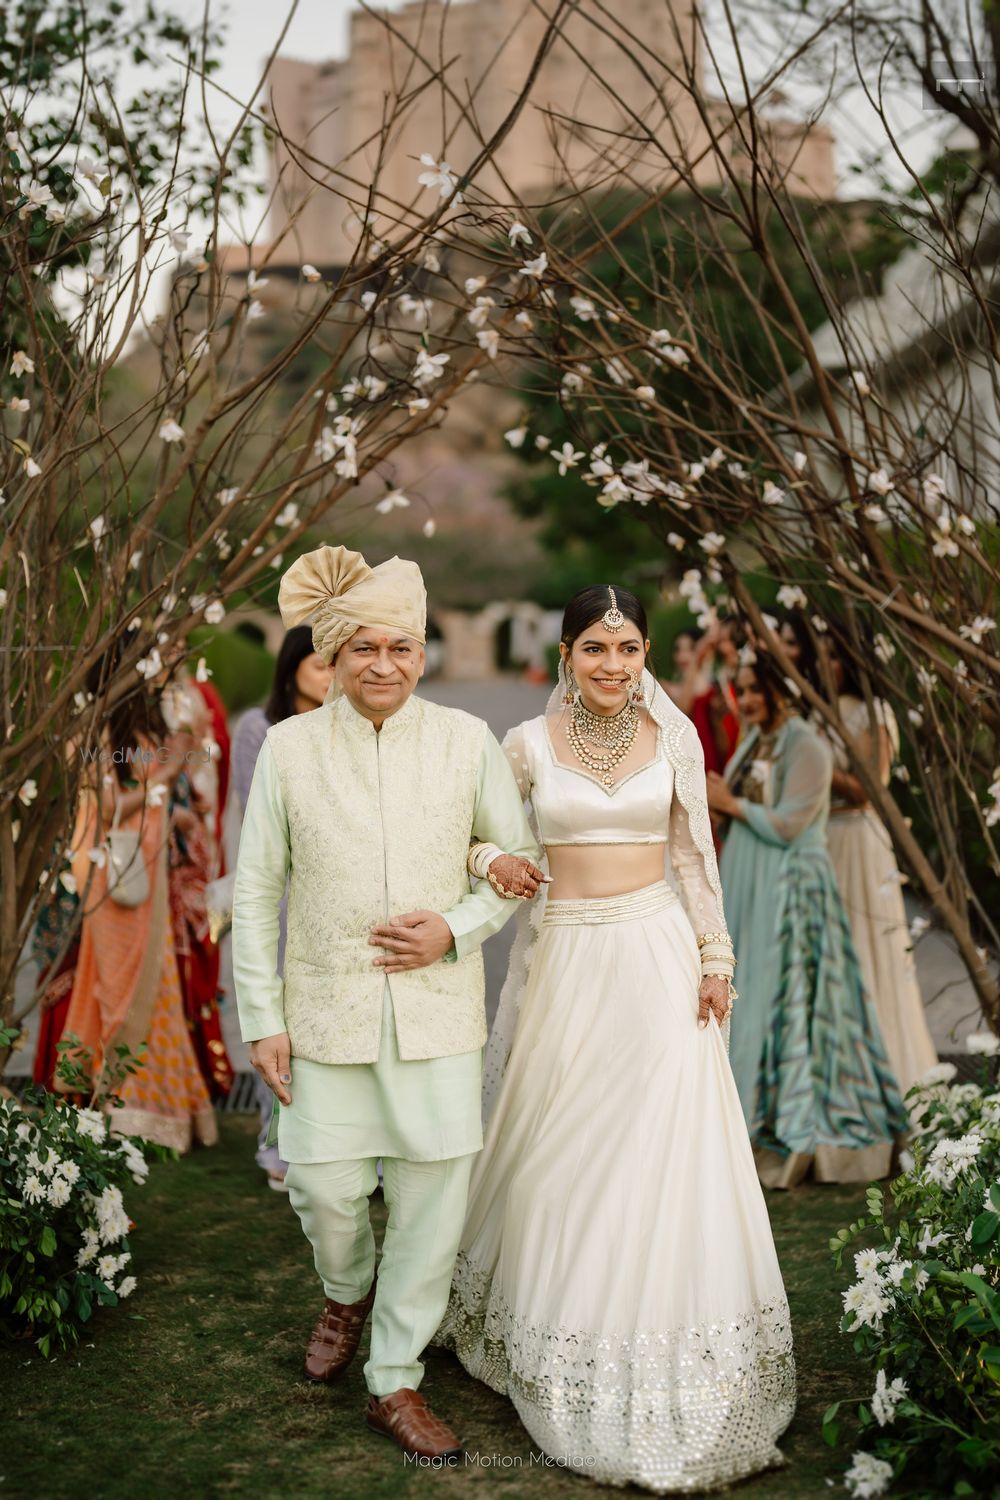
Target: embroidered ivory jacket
{"type": "Point", "coordinates": [364, 826]}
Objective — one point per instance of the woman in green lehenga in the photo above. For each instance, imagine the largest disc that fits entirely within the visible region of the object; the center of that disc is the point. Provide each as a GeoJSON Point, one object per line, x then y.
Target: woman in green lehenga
{"type": "Point", "coordinates": [806, 1049]}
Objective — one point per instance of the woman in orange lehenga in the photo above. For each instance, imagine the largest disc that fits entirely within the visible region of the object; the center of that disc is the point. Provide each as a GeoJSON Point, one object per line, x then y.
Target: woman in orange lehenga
{"type": "Point", "coordinates": [126, 989]}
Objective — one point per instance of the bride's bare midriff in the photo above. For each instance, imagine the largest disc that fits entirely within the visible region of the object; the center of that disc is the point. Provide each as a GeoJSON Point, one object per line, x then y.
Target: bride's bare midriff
{"type": "Point", "coordinates": [580, 873]}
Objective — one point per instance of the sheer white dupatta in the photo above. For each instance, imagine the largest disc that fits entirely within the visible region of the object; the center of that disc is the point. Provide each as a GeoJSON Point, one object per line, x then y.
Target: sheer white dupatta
{"type": "Point", "coordinates": [691, 869]}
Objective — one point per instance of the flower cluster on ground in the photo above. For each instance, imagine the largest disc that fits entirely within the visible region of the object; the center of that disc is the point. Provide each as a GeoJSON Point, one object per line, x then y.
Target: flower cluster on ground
{"type": "Point", "coordinates": [924, 1308]}
{"type": "Point", "coordinates": [64, 1227]}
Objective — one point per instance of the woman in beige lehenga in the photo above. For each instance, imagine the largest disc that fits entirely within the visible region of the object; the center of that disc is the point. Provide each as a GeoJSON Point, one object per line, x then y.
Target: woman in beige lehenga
{"type": "Point", "coordinates": [870, 883]}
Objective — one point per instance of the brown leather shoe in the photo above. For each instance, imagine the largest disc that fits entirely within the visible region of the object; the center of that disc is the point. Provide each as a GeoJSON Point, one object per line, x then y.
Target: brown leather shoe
{"type": "Point", "coordinates": [405, 1417]}
{"type": "Point", "coordinates": [335, 1339]}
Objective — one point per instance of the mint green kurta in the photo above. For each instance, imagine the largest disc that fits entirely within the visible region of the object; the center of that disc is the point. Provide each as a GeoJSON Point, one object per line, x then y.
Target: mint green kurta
{"type": "Point", "coordinates": [426, 1109]}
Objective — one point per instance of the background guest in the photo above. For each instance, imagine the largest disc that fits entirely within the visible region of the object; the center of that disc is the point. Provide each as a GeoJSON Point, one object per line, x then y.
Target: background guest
{"type": "Point", "coordinates": [702, 690]}
{"type": "Point", "coordinates": [126, 988]}
{"type": "Point", "coordinates": [806, 1050]}
{"type": "Point", "coordinates": [301, 680]}
{"type": "Point", "coordinates": [868, 875]}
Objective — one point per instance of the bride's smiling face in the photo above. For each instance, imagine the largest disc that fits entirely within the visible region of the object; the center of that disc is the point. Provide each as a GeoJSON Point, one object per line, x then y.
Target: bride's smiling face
{"type": "Point", "coordinates": [601, 663]}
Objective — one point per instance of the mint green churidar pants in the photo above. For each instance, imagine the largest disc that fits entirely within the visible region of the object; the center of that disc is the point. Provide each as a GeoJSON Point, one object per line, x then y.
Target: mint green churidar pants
{"type": "Point", "coordinates": [426, 1202]}
{"type": "Point", "coordinates": [423, 1120]}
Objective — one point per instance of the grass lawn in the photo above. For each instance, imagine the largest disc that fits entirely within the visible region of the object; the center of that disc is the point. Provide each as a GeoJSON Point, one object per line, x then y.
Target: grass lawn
{"type": "Point", "coordinates": [193, 1387]}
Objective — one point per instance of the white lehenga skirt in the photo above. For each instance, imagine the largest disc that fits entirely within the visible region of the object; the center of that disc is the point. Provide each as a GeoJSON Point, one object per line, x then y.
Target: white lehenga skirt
{"type": "Point", "coordinates": [617, 1277]}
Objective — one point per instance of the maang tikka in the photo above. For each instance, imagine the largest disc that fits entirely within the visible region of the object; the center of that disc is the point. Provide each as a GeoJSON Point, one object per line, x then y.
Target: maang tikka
{"type": "Point", "coordinates": [612, 619]}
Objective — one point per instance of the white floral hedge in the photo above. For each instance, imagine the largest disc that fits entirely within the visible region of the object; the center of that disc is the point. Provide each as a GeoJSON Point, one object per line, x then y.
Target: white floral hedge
{"type": "Point", "coordinates": [924, 1310]}
{"type": "Point", "coordinates": [63, 1224]}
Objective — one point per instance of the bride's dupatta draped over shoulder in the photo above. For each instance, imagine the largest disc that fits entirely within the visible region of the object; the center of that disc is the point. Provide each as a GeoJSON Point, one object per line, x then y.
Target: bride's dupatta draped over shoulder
{"type": "Point", "coordinates": [691, 867]}
{"type": "Point", "coordinates": [126, 990]}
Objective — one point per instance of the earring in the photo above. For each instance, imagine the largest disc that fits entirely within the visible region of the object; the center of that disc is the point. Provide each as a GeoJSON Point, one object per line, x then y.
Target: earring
{"type": "Point", "coordinates": [636, 695]}
{"type": "Point", "coordinates": [571, 690]}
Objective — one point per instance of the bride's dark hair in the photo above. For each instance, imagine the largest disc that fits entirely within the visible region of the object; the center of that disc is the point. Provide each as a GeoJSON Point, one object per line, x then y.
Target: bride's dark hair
{"type": "Point", "coordinates": [588, 605]}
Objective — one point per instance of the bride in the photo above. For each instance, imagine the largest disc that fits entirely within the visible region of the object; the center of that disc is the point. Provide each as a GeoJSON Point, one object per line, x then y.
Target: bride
{"type": "Point", "coordinates": [617, 1278]}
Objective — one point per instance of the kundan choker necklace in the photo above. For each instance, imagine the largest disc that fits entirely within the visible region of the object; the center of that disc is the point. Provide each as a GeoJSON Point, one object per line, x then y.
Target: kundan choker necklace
{"type": "Point", "coordinates": [612, 734]}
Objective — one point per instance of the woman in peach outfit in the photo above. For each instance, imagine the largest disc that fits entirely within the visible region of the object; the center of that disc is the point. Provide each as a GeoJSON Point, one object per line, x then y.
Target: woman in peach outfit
{"type": "Point", "coordinates": [126, 990]}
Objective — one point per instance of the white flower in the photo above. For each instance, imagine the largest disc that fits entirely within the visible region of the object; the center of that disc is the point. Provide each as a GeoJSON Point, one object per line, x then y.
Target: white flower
{"type": "Point", "coordinates": [429, 367]}
{"type": "Point", "coordinates": [474, 284]}
{"type": "Point", "coordinates": [310, 273]}
{"type": "Point", "coordinates": [288, 516]}
{"type": "Point", "coordinates": [885, 649]}
{"type": "Point", "coordinates": [572, 384]}
{"type": "Point", "coordinates": [799, 462]}
{"type": "Point", "coordinates": [127, 1286]}
{"type": "Point", "coordinates": [255, 310]}
{"type": "Point", "coordinates": [945, 544]}
{"type": "Point", "coordinates": [394, 500]}
{"type": "Point", "coordinates": [149, 666]}
{"type": "Point", "coordinates": [439, 175]}
{"type": "Point", "coordinates": [89, 1247]}
{"type": "Point", "coordinates": [524, 320]}
{"type": "Point", "coordinates": [866, 1262]}
{"type": "Point", "coordinates": [645, 394]}
{"type": "Point", "coordinates": [28, 791]}
{"type": "Point", "coordinates": [880, 482]}
{"type": "Point", "coordinates": [19, 403]}
{"type": "Point", "coordinates": [790, 596]}
{"type": "Point", "coordinates": [368, 300]}
{"type": "Point", "coordinates": [112, 1220]}
{"type": "Point", "coordinates": [875, 513]}
{"type": "Point", "coordinates": [773, 493]}
{"type": "Point", "coordinates": [202, 671]}
{"type": "Point", "coordinates": [675, 540]}
{"type": "Point", "coordinates": [980, 626]}
{"type": "Point", "coordinates": [886, 1398]}
{"type": "Point", "coordinates": [255, 282]}
{"type": "Point", "coordinates": [68, 882]}
{"type": "Point", "coordinates": [713, 542]}
{"type": "Point", "coordinates": [737, 470]}
{"type": "Point", "coordinates": [215, 612]}
{"type": "Point", "coordinates": [983, 1043]}
{"type": "Point", "coordinates": [429, 527]}
{"type": "Point", "coordinates": [868, 1476]}
{"type": "Point", "coordinates": [31, 468]}
{"type": "Point", "coordinates": [38, 194]}
{"type": "Point", "coordinates": [479, 316]}
{"type": "Point", "coordinates": [430, 262]}
{"type": "Point", "coordinates": [515, 436]}
{"type": "Point", "coordinates": [695, 471]}
{"type": "Point", "coordinates": [518, 234]}
{"type": "Point", "coordinates": [584, 309]}
{"type": "Point", "coordinates": [939, 1073]}
{"type": "Point", "coordinates": [535, 268]}
{"type": "Point", "coordinates": [567, 457]}
{"type": "Point", "coordinates": [417, 404]}
{"type": "Point", "coordinates": [861, 385]}
{"type": "Point", "coordinates": [70, 1171]}
{"type": "Point", "coordinates": [419, 309]}
{"type": "Point", "coordinates": [918, 927]}
{"type": "Point", "coordinates": [488, 340]}
{"type": "Point", "coordinates": [33, 1188]}
{"type": "Point", "coordinates": [21, 364]}
{"type": "Point", "coordinates": [950, 1158]}
{"type": "Point", "coordinates": [614, 492]}
{"type": "Point", "coordinates": [107, 1266]}
{"type": "Point", "coordinates": [542, 443]}
{"type": "Point", "coordinates": [171, 431]}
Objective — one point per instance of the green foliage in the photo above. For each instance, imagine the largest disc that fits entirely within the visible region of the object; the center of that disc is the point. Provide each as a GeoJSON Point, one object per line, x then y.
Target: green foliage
{"type": "Point", "coordinates": [695, 256]}
{"type": "Point", "coordinates": [924, 1313]}
{"type": "Point", "coordinates": [63, 1226]}
{"type": "Point", "coordinates": [241, 669]}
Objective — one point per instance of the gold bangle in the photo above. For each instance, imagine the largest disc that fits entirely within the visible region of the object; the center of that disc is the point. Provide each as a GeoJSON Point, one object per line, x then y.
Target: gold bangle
{"type": "Point", "coordinates": [714, 937]}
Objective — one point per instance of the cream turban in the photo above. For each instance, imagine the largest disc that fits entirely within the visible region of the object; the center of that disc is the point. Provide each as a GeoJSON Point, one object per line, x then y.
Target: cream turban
{"type": "Point", "coordinates": [339, 592]}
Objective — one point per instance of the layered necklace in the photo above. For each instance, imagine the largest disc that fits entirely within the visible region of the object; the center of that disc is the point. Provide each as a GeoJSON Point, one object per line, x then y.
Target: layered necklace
{"type": "Point", "coordinates": [601, 742]}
